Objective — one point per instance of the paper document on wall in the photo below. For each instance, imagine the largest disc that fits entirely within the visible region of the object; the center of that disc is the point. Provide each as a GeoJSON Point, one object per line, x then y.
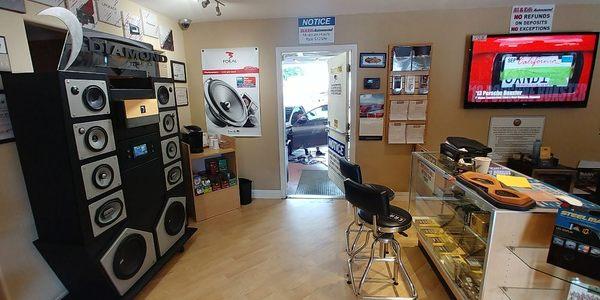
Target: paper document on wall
{"type": "Point", "coordinates": [417, 110]}
{"type": "Point", "coordinates": [415, 134]}
{"type": "Point", "coordinates": [371, 127]}
{"type": "Point", "coordinates": [399, 111]}
{"type": "Point", "coordinates": [510, 135]}
{"type": "Point", "coordinates": [397, 133]}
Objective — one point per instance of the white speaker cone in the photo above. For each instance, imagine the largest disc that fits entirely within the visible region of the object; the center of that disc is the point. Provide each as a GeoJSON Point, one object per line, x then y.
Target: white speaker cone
{"type": "Point", "coordinates": [96, 138]}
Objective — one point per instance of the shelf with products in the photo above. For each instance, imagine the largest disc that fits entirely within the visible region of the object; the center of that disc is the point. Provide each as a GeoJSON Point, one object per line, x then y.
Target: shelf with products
{"type": "Point", "coordinates": [465, 235]}
{"type": "Point", "coordinates": [213, 186]}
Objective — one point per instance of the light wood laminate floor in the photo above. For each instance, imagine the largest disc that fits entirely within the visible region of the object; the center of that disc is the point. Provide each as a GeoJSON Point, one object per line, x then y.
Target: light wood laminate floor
{"type": "Point", "coordinates": [279, 249]}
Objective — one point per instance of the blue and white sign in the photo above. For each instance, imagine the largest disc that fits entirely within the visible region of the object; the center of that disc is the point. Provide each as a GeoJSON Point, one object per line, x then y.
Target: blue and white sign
{"type": "Point", "coordinates": [316, 30]}
{"type": "Point", "coordinates": [337, 147]}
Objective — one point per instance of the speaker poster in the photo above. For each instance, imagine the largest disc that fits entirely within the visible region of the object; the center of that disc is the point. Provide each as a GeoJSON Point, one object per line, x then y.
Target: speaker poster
{"type": "Point", "coordinates": [231, 91]}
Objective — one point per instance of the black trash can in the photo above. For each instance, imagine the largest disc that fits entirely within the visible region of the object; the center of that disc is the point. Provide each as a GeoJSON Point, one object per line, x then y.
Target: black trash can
{"type": "Point", "coordinates": [245, 191]}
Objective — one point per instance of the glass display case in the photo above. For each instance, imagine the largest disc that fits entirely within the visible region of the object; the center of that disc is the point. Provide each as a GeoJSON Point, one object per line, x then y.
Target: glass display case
{"type": "Point", "coordinates": [476, 247]}
{"type": "Point", "coordinates": [452, 224]}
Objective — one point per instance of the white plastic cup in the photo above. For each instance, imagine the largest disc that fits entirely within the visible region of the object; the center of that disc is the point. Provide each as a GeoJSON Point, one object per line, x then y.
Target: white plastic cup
{"type": "Point", "coordinates": [214, 142]}
{"type": "Point", "coordinates": [482, 164]}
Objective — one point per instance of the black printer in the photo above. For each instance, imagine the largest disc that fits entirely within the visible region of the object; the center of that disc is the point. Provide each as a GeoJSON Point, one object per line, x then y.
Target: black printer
{"type": "Point", "coordinates": [456, 148]}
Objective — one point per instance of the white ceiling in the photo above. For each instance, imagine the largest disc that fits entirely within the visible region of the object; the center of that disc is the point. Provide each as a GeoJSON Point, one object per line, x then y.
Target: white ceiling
{"type": "Point", "coordinates": [265, 9]}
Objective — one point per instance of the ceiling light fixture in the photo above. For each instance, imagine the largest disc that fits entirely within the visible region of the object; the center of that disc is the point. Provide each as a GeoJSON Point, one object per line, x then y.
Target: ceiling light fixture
{"type": "Point", "coordinates": [206, 3]}
{"type": "Point", "coordinates": [218, 8]}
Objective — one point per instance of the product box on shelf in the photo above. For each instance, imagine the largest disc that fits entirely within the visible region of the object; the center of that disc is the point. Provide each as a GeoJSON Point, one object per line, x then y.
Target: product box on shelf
{"type": "Point", "coordinates": [575, 242]}
{"type": "Point", "coordinates": [223, 166]}
{"type": "Point", "coordinates": [212, 166]}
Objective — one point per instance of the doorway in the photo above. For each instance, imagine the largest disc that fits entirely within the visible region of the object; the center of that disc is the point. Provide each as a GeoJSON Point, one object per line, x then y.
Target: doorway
{"type": "Point", "coordinates": [315, 88]}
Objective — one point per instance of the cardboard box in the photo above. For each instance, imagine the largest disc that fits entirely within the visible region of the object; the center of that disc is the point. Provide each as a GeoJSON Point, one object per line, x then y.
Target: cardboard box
{"type": "Point", "coordinates": [575, 244]}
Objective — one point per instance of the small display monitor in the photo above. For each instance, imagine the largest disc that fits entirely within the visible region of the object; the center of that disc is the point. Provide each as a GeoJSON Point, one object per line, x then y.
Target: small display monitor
{"type": "Point", "coordinates": [140, 150]}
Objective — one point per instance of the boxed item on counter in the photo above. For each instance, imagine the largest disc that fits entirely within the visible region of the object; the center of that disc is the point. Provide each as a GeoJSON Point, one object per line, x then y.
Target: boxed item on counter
{"type": "Point", "coordinates": [575, 244]}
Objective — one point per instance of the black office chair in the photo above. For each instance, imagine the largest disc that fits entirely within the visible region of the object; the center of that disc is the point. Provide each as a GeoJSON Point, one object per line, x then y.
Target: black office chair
{"type": "Point", "coordinates": [375, 212]}
{"type": "Point", "coordinates": [352, 171]}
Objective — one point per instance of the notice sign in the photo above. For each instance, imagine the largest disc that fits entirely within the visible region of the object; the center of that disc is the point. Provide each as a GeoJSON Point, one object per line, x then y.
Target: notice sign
{"type": "Point", "coordinates": [317, 30]}
{"type": "Point", "coordinates": [511, 135]}
{"type": "Point", "coordinates": [531, 18]}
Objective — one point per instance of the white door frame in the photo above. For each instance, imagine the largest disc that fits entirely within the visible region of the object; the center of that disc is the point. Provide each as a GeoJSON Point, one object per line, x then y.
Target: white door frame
{"type": "Point", "coordinates": [353, 49]}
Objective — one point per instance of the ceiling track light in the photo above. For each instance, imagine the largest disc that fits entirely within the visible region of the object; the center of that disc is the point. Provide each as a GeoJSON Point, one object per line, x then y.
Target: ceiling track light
{"type": "Point", "coordinates": [205, 4]}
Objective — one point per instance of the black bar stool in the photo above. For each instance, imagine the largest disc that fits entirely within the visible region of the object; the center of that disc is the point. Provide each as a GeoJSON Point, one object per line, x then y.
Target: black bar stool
{"type": "Point", "coordinates": [383, 220]}
{"type": "Point", "coordinates": [352, 171]}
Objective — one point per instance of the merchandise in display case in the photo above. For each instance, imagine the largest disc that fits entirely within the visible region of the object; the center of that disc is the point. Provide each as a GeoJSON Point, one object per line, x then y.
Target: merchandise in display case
{"type": "Point", "coordinates": [482, 251]}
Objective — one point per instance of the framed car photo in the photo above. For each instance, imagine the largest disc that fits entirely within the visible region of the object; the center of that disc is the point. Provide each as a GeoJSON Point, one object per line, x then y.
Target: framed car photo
{"type": "Point", "coordinates": [373, 60]}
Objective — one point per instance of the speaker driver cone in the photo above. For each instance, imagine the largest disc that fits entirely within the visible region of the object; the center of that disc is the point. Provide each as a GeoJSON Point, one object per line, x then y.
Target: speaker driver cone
{"type": "Point", "coordinates": [94, 98]}
{"type": "Point", "coordinates": [103, 176]}
{"type": "Point", "coordinates": [96, 138]}
{"type": "Point", "coordinates": [129, 257]}
{"type": "Point", "coordinates": [109, 212]}
{"type": "Point", "coordinates": [225, 106]}
{"type": "Point", "coordinates": [163, 95]}
{"type": "Point", "coordinates": [171, 149]}
{"type": "Point", "coordinates": [174, 175]}
{"type": "Point", "coordinates": [174, 218]}
{"type": "Point", "coordinates": [169, 123]}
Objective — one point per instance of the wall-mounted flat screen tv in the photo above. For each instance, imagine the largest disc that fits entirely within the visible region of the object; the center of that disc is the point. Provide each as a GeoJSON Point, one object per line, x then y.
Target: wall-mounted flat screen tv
{"type": "Point", "coordinates": [530, 70]}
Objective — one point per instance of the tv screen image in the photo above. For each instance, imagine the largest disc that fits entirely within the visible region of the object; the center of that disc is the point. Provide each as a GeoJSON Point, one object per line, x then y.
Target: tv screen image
{"type": "Point", "coordinates": [534, 70]}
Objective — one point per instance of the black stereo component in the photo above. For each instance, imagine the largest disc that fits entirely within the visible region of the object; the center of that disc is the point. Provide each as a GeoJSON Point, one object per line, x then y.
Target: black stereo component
{"type": "Point", "coordinates": [102, 164]}
{"type": "Point", "coordinates": [194, 137]}
{"type": "Point", "coordinates": [456, 148]}
{"type": "Point", "coordinates": [371, 83]}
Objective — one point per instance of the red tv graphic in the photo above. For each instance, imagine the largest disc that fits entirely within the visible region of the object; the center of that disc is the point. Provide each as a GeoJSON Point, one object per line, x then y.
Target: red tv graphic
{"type": "Point", "coordinates": [495, 57]}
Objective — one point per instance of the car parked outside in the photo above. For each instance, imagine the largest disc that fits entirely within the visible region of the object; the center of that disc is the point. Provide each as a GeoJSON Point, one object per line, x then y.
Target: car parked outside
{"type": "Point", "coordinates": [308, 129]}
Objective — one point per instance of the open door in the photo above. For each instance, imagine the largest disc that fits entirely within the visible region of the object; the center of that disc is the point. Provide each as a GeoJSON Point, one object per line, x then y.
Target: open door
{"type": "Point", "coordinates": [338, 105]}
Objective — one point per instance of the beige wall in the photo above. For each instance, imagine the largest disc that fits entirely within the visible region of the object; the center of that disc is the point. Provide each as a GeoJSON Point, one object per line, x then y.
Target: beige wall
{"type": "Point", "coordinates": [23, 272]}
{"type": "Point", "coordinates": [572, 133]}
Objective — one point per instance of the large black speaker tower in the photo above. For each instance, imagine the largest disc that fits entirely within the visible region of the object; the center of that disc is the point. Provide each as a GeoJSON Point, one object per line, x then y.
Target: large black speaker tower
{"type": "Point", "coordinates": [102, 164]}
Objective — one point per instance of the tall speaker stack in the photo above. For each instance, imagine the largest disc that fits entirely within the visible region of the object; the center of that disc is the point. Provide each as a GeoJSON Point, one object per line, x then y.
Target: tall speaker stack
{"type": "Point", "coordinates": [103, 170]}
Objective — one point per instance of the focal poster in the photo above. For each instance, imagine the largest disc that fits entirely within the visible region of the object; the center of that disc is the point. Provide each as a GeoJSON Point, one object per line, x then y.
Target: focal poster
{"type": "Point", "coordinates": [231, 91]}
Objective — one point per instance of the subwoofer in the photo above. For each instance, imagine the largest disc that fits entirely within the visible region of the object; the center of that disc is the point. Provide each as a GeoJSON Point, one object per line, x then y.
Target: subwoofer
{"type": "Point", "coordinates": [173, 175]}
{"type": "Point", "coordinates": [171, 224]}
{"type": "Point", "coordinates": [165, 94]}
{"type": "Point", "coordinates": [128, 258]}
{"type": "Point", "coordinates": [168, 123]}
